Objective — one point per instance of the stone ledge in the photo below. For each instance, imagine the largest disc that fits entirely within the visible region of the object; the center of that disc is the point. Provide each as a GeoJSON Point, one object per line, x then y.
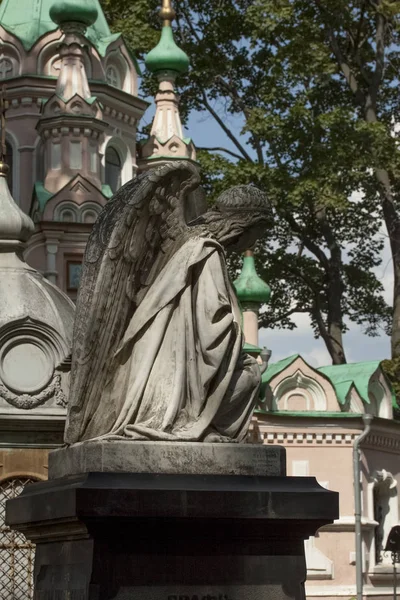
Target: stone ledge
{"type": "Point", "coordinates": [168, 458]}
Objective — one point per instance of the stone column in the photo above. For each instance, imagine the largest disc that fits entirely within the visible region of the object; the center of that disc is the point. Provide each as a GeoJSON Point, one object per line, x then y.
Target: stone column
{"type": "Point", "coordinates": [51, 262]}
{"type": "Point", "coordinates": [250, 322]}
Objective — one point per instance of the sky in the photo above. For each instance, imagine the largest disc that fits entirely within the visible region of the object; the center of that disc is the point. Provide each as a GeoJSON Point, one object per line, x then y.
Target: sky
{"type": "Point", "coordinates": [358, 347]}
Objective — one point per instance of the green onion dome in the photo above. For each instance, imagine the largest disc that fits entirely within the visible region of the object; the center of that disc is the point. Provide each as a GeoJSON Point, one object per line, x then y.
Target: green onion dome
{"type": "Point", "coordinates": [166, 56]}
{"type": "Point", "coordinates": [249, 286]}
{"type": "Point", "coordinates": [78, 11]}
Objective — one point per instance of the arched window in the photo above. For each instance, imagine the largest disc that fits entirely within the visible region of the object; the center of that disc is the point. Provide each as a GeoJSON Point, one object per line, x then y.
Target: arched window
{"type": "Point", "coordinates": [16, 553]}
{"type": "Point", "coordinates": [113, 168]}
{"type": "Point", "coordinates": [89, 216]}
{"type": "Point", "coordinates": [9, 161]}
{"type": "Point", "coordinates": [67, 216]}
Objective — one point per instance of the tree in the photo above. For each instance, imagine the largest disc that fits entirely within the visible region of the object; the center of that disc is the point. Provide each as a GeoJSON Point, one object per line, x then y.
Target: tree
{"type": "Point", "coordinates": [273, 65]}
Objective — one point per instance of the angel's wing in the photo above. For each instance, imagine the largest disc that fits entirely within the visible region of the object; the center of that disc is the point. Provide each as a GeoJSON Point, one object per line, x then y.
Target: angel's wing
{"type": "Point", "coordinates": [133, 238]}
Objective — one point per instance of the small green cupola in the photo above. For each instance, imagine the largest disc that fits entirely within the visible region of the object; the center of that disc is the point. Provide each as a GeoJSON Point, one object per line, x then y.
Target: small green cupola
{"type": "Point", "coordinates": [167, 141]}
{"type": "Point", "coordinates": [78, 11]}
{"type": "Point", "coordinates": [167, 56]}
{"type": "Point", "coordinates": [250, 288]}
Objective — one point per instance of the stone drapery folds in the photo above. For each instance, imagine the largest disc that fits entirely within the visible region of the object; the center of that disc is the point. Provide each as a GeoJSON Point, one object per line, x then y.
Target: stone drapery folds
{"type": "Point", "coordinates": [157, 343]}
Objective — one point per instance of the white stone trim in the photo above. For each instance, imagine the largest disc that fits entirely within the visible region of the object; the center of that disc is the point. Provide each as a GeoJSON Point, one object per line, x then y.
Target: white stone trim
{"type": "Point", "coordinates": [313, 392]}
{"type": "Point", "coordinates": [125, 154]}
{"type": "Point", "coordinates": [330, 590]}
{"type": "Point", "coordinates": [306, 437]}
{"type": "Point", "coordinates": [118, 61]}
{"type": "Point", "coordinates": [319, 566]}
{"type": "Point", "coordinates": [314, 591]}
{"type": "Point", "coordinates": [381, 399]}
{"type": "Point", "coordinates": [347, 523]}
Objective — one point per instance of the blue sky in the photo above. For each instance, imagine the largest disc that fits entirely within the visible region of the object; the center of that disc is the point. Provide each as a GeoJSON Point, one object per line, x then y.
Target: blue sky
{"type": "Point", "coordinates": [359, 347]}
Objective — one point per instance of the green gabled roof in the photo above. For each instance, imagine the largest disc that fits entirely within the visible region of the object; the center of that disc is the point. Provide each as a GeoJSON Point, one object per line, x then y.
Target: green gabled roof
{"type": "Point", "coordinates": [28, 20]}
{"type": "Point", "coordinates": [277, 367]}
{"type": "Point", "coordinates": [344, 377]}
{"type": "Point", "coordinates": [251, 348]}
{"type": "Point", "coordinates": [43, 195]}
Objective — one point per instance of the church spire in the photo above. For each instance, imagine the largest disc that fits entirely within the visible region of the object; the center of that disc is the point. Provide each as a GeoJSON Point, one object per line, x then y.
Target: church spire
{"type": "Point", "coordinates": [166, 61]}
{"type": "Point", "coordinates": [71, 124]}
{"type": "Point", "coordinates": [73, 18]}
{"type": "Point", "coordinates": [252, 292]}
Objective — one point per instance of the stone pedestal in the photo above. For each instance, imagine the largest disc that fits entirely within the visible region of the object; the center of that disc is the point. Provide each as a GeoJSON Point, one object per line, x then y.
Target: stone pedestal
{"type": "Point", "coordinates": [149, 536]}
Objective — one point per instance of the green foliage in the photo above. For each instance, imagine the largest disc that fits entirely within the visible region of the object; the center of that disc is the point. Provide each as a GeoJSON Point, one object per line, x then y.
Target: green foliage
{"type": "Point", "coordinates": [306, 138]}
{"type": "Point", "coordinates": [135, 19]}
{"type": "Point", "coordinates": [392, 371]}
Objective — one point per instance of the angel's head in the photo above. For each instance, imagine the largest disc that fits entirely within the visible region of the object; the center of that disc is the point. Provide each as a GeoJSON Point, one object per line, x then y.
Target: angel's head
{"type": "Point", "coordinates": [239, 217]}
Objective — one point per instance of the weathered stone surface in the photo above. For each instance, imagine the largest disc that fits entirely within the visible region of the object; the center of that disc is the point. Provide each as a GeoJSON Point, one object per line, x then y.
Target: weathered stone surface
{"type": "Point", "coordinates": [158, 347]}
{"type": "Point", "coordinates": [168, 458]}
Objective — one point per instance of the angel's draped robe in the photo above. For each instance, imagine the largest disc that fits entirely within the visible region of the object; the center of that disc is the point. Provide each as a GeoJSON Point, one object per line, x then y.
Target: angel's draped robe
{"type": "Point", "coordinates": [180, 372]}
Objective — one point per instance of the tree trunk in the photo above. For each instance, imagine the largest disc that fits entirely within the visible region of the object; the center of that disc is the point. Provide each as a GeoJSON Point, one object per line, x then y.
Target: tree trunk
{"type": "Point", "coordinates": [336, 351]}
{"type": "Point", "coordinates": [333, 334]}
{"type": "Point", "coordinates": [392, 221]}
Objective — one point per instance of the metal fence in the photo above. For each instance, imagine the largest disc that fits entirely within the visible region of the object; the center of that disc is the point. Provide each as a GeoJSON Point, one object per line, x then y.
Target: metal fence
{"type": "Point", "coordinates": [16, 553]}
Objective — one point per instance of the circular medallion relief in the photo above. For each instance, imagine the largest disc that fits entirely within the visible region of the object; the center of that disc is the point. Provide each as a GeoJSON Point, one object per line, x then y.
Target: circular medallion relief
{"type": "Point", "coordinates": [25, 366]}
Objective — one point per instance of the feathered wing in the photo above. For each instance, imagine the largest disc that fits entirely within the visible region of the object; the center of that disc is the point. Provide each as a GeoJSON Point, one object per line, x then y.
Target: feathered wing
{"type": "Point", "coordinates": [137, 232]}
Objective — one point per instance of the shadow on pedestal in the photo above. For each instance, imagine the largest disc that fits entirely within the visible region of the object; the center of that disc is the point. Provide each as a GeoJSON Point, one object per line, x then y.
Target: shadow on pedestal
{"type": "Point", "coordinates": [126, 536]}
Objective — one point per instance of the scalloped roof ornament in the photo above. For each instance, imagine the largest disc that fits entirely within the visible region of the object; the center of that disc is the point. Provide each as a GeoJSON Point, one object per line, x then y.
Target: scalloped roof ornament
{"type": "Point", "coordinates": [34, 21]}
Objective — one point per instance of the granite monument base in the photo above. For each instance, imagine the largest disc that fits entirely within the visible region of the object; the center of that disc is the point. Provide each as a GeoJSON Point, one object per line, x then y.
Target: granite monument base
{"type": "Point", "coordinates": [173, 458]}
{"type": "Point", "coordinates": [147, 536]}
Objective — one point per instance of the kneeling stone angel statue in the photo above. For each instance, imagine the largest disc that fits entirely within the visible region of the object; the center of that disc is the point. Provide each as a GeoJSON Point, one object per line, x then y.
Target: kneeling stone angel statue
{"type": "Point", "coordinates": [158, 347]}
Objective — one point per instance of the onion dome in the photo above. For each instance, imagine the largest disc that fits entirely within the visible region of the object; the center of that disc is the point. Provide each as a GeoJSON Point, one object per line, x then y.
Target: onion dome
{"type": "Point", "coordinates": [77, 11]}
{"type": "Point", "coordinates": [167, 56]}
{"type": "Point", "coordinates": [250, 288]}
{"type": "Point", "coordinates": [36, 322]}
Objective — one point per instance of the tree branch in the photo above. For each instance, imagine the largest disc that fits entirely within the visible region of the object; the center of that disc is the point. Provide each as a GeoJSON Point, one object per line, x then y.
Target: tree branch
{"type": "Point", "coordinates": [299, 308]}
{"type": "Point", "coordinates": [305, 240]}
{"type": "Point", "coordinates": [235, 97]}
{"type": "Point", "coordinates": [226, 130]}
{"type": "Point", "coordinates": [370, 105]}
{"type": "Point", "coordinates": [343, 64]}
{"type": "Point", "coordinates": [217, 149]}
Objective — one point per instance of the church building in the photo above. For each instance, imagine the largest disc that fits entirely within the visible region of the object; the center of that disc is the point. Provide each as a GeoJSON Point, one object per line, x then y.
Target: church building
{"type": "Point", "coordinates": [73, 110]}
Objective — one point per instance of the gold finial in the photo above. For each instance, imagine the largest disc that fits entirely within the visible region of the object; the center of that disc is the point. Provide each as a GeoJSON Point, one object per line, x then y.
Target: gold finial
{"type": "Point", "coordinates": [167, 13]}
{"type": "Point", "coordinates": [3, 148]}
